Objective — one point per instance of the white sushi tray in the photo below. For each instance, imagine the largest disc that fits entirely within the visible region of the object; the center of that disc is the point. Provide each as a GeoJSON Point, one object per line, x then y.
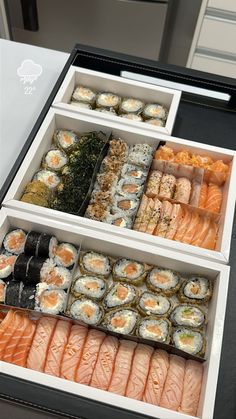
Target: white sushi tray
{"type": "Point", "coordinates": [124, 247]}
{"type": "Point", "coordinates": [62, 119]}
{"type": "Point", "coordinates": [103, 82]}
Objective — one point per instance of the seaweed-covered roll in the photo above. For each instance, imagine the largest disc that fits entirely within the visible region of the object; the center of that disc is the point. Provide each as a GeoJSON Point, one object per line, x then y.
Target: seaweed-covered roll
{"type": "Point", "coordinates": [108, 100]}
{"type": "Point", "coordinates": [188, 340]}
{"type": "Point", "coordinates": [86, 310]}
{"type": "Point", "coordinates": [154, 328]}
{"type": "Point", "coordinates": [156, 122]}
{"type": "Point", "coordinates": [13, 293]}
{"type": "Point", "coordinates": [95, 263]}
{"type": "Point", "coordinates": [187, 315]}
{"type": "Point", "coordinates": [90, 286]}
{"type": "Point", "coordinates": [154, 110]}
{"type": "Point", "coordinates": [14, 241]}
{"type": "Point", "coordinates": [47, 245]}
{"type": "Point", "coordinates": [50, 178]}
{"type": "Point", "coordinates": [55, 276]}
{"type": "Point", "coordinates": [125, 206]}
{"type": "Point", "coordinates": [196, 290]}
{"type": "Point", "coordinates": [65, 255]}
{"type": "Point", "coordinates": [33, 270]}
{"type": "Point", "coordinates": [140, 155]}
{"type": "Point", "coordinates": [119, 220]}
{"type": "Point", "coordinates": [52, 301]}
{"type": "Point", "coordinates": [3, 286]}
{"type": "Point", "coordinates": [131, 105]}
{"type": "Point", "coordinates": [132, 117]}
{"type": "Point", "coordinates": [66, 140]}
{"type": "Point", "coordinates": [121, 321]}
{"type": "Point", "coordinates": [131, 171]}
{"type": "Point", "coordinates": [163, 280]}
{"type": "Point", "coordinates": [21, 267]}
{"type": "Point", "coordinates": [55, 159]}
{"type": "Point", "coordinates": [84, 94]}
{"type": "Point", "coordinates": [130, 188]}
{"type": "Point", "coordinates": [120, 294]}
{"type": "Point", "coordinates": [7, 262]}
{"type": "Point", "coordinates": [129, 271]}
{"type": "Point", "coordinates": [158, 305]}
{"type": "Point", "coordinates": [31, 243]}
{"type": "Point", "coordinates": [81, 105]}
{"type": "Point", "coordinates": [28, 297]}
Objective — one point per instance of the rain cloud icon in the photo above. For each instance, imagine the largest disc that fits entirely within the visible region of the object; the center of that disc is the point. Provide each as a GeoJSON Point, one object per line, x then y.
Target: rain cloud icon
{"type": "Point", "coordinates": [29, 71]}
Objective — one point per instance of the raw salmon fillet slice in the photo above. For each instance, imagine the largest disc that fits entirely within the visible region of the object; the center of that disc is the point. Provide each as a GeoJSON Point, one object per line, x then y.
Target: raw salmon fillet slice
{"type": "Point", "coordinates": [191, 229]}
{"type": "Point", "coordinates": [89, 357]}
{"type": "Point", "coordinates": [214, 198]}
{"type": "Point", "coordinates": [122, 367]}
{"type": "Point", "coordinates": [139, 372]}
{"type": "Point", "coordinates": [20, 327]}
{"type": "Point", "coordinates": [73, 351]}
{"type": "Point", "coordinates": [173, 388]}
{"type": "Point", "coordinates": [105, 363]}
{"type": "Point", "coordinates": [4, 325]}
{"type": "Point", "coordinates": [9, 330]}
{"type": "Point", "coordinates": [201, 231]}
{"type": "Point", "coordinates": [39, 348]}
{"type": "Point", "coordinates": [21, 352]}
{"type": "Point", "coordinates": [192, 387]}
{"type": "Point", "coordinates": [156, 378]}
{"type": "Point", "coordinates": [174, 221]}
{"type": "Point", "coordinates": [183, 225]}
{"type": "Point", "coordinates": [57, 347]}
{"type": "Point", "coordinates": [203, 195]}
{"type": "Point", "coordinates": [209, 241]}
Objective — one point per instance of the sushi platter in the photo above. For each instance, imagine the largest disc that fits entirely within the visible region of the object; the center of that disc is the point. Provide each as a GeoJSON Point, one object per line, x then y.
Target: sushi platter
{"type": "Point", "coordinates": [115, 233]}
{"type": "Point", "coordinates": [14, 223]}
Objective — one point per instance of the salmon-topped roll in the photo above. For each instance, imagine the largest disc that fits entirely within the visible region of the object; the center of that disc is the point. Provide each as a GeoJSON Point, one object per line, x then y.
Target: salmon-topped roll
{"type": "Point", "coordinates": [140, 213]}
{"type": "Point", "coordinates": [165, 218]}
{"type": "Point", "coordinates": [182, 190]}
{"type": "Point", "coordinates": [57, 347]}
{"type": "Point", "coordinates": [214, 198]}
{"type": "Point", "coordinates": [159, 366]}
{"type": "Point", "coordinates": [73, 351]}
{"type": "Point", "coordinates": [139, 372]}
{"type": "Point", "coordinates": [147, 215]}
{"type": "Point", "coordinates": [167, 186]}
{"type": "Point", "coordinates": [192, 387]}
{"type": "Point", "coordinates": [153, 183]}
{"type": "Point", "coordinates": [156, 213]}
{"type": "Point", "coordinates": [173, 388]}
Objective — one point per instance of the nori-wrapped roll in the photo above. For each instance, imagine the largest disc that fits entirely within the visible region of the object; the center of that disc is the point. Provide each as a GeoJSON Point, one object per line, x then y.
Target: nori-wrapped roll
{"type": "Point", "coordinates": [46, 245]}
{"type": "Point", "coordinates": [21, 266]}
{"type": "Point", "coordinates": [13, 293]}
{"type": "Point", "coordinates": [31, 243]}
{"type": "Point", "coordinates": [33, 271]}
{"type": "Point", "coordinates": [28, 297]}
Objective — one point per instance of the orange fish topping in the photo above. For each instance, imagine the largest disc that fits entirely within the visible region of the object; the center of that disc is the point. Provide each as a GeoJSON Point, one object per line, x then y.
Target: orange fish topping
{"type": "Point", "coordinates": [153, 328]}
{"type": "Point", "coordinates": [88, 310]}
{"type": "Point", "coordinates": [118, 322]}
{"type": "Point", "coordinates": [122, 292]}
{"type": "Point", "coordinates": [50, 300]}
{"type": "Point", "coordinates": [130, 269]}
{"type": "Point", "coordinates": [97, 263]}
{"type": "Point", "coordinates": [150, 302]}
{"type": "Point", "coordinates": [92, 285]}
{"type": "Point", "coordinates": [161, 278]}
{"type": "Point", "coordinates": [65, 254]}
{"type": "Point", "coordinates": [187, 340]}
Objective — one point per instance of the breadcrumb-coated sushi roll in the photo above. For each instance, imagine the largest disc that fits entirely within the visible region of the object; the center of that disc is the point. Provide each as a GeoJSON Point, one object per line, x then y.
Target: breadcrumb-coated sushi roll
{"type": "Point", "coordinates": [196, 290]}
{"type": "Point", "coordinates": [153, 304]}
{"type": "Point", "coordinates": [132, 117]}
{"type": "Point", "coordinates": [84, 94]}
{"type": "Point", "coordinates": [154, 328]}
{"type": "Point", "coordinates": [86, 310]}
{"type": "Point", "coordinates": [66, 140]}
{"type": "Point", "coordinates": [110, 111]}
{"type": "Point", "coordinates": [130, 271]}
{"type": "Point", "coordinates": [90, 286]}
{"type": "Point", "coordinates": [107, 181]}
{"type": "Point", "coordinates": [155, 121]}
{"type": "Point", "coordinates": [189, 340]}
{"type": "Point", "coordinates": [140, 155]}
{"type": "Point", "coordinates": [14, 241]}
{"type": "Point", "coordinates": [120, 294]}
{"type": "Point", "coordinates": [81, 105]}
{"type": "Point", "coordinates": [167, 186]}
{"type": "Point", "coordinates": [118, 148]}
{"type": "Point", "coordinates": [130, 105]}
{"type": "Point", "coordinates": [154, 110]}
{"type": "Point", "coordinates": [35, 199]}
{"type": "Point", "coordinates": [108, 100]}
{"type": "Point", "coordinates": [121, 321]}
{"type": "Point", "coordinates": [39, 188]}
{"type": "Point", "coordinates": [163, 280]}
{"type": "Point", "coordinates": [95, 263]}
{"type": "Point", "coordinates": [153, 183]}
{"type": "Point", "coordinates": [187, 315]}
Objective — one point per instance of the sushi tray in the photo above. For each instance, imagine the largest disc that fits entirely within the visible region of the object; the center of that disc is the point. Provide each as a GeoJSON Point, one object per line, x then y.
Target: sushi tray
{"type": "Point", "coordinates": [61, 289]}
{"type": "Point", "coordinates": [124, 181]}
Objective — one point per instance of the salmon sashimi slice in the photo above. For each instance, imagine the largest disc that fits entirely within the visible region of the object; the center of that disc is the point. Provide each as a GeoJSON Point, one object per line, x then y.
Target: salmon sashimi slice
{"type": "Point", "coordinates": [122, 367]}
{"type": "Point", "coordinates": [183, 225]}
{"type": "Point", "coordinates": [141, 211]}
{"type": "Point", "coordinates": [154, 217]}
{"type": "Point", "coordinates": [164, 221]}
{"type": "Point", "coordinates": [21, 352]}
{"type": "Point", "coordinates": [104, 367]}
{"type": "Point", "coordinates": [39, 348]}
{"type": "Point", "coordinates": [73, 351]}
{"type": "Point", "coordinates": [156, 378]}
{"type": "Point", "coordinates": [89, 357]}
{"type": "Point", "coordinates": [191, 229]}
{"type": "Point", "coordinates": [191, 388]}
{"type": "Point", "coordinates": [147, 215]}
{"type": "Point", "coordinates": [174, 221]}
{"type": "Point", "coordinates": [172, 393]}
{"type": "Point", "coordinates": [19, 329]}
{"type": "Point", "coordinates": [139, 372]}
{"type": "Point", "coordinates": [203, 195]}
{"type": "Point", "coordinates": [6, 322]}
{"type": "Point", "coordinates": [214, 198]}
{"type": "Point", "coordinates": [57, 347]}
{"type": "Point", "coordinates": [10, 328]}
{"type": "Point", "coordinates": [201, 231]}
{"type": "Point", "coordinates": [209, 241]}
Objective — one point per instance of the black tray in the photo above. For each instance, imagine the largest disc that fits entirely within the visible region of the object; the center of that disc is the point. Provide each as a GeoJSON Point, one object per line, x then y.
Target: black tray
{"type": "Point", "coordinates": [199, 118]}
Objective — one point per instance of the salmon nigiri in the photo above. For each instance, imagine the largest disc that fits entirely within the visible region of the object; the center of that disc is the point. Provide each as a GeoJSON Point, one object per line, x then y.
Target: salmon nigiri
{"type": "Point", "coordinates": [57, 347]}
{"type": "Point", "coordinates": [15, 338]}
{"type": "Point", "coordinates": [4, 325]}
{"type": "Point", "coordinates": [191, 388]}
{"type": "Point", "coordinates": [141, 211]}
{"type": "Point", "coordinates": [154, 217]}
{"type": "Point", "coordinates": [203, 195]}
{"type": "Point", "coordinates": [183, 225]}
{"type": "Point", "coordinates": [139, 372]}
{"type": "Point", "coordinates": [21, 352]}
{"type": "Point", "coordinates": [201, 231]}
{"type": "Point", "coordinates": [156, 378]}
{"type": "Point", "coordinates": [104, 367]}
{"type": "Point", "coordinates": [209, 241]}
{"type": "Point", "coordinates": [214, 198]}
{"type": "Point", "coordinates": [191, 229]}
{"type": "Point", "coordinates": [173, 388]}
{"type": "Point", "coordinates": [73, 351]}
{"type": "Point", "coordinates": [175, 218]}
{"type": "Point", "coordinates": [122, 367]}
{"type": "Point", "coordinates": [164, 221]}
{"type": "Point", "coordinates": [147, 215]}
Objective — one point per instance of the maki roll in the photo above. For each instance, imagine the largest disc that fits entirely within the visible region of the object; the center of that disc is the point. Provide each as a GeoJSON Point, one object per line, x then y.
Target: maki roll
{"type": "Point", "coordinates": [14, 241]}
{"type": "Point", "coordinates": [31, 243]}
{"type": "Point", "coordinates": [130, 188]}
{"type": "Point", "coordinates": [187, 315]}
{"type": "Point", "coordinates": [130, 105]}
{"type": "Point", "coordinates": [140, 155]}
{"type": "Point", "coordinates": [118, 148]}
{"type": "Point", "coordinates": [95, 263]}
{"type": "Point", "coordinates": [81, 105]}
{"type": "Point", "coordinates": [51, 301]}
{"type": "Point", "coordinates": [66, 140]}
{"type": "Point", "coordinates": [33, 270]}
{"type": "Point", "coordinates": [130, 171]}
{"type": "Point", "coordinates": [154, 110]}
{"type": "Point", "coordinates": [167, 186]}
{"type": "Point", "coordinates": [28, 297]}
{"type": "Point", "coordinates": [155, 121]}
{"type": "Point", "coordinates": [39, 188]}
{"type": "Point", "coordinates": [188, 340]}
{"type": "Point", "coordinates": [34, 199]}
{"type": "Point", "coordinates": [21, 267]}
{"type": "Point", "coordinates": [152, 304]}
{"type": "Point", "coordinates": [106, 110]}
{"type": "Point", "coordinates": [47, 245]}
{"type": "Point", "coordinates": [50, 178]}
{"type": "Point", "coordinates": [121, 321]}
{"type": "Point", "coordinates": [132, 117]}
{"type": "Point", "coordinates": [65, 255]}
{"type": "Point", "coordinates": [13, 293]}
{"type": "Point", "coordinates": [121, 294]}
{"type": "Point", "coordinates": [3, 286]}
{"type": "Point", "coordinates": [84, 94]}
{"type": "Point", "coordinates": [196, 290]}
{"type": "Point", "coordinates": [129, 271]}
{"type": "Point", "coordinates": [111, 164]}
{"type": "Point", "coordinates": [107, 181]}
{"type": "Point", "coordinates": [154, 328]}
{"type": "Point", "coordinates": [87, 311]}
{"type": "Point", "coordinates": [108, 100]}
{"type": "Point", "coordinates": [163, 280]}
{"type": "Point", "coordinates": [55, 276]}
{"type": "Point", "coordinates": [7, 262]}
{"type": "Point", "coordinates": [119, 220]}
{"type": "Point", "coordinates": [55, 159]}
{"type": "Point", "coordinates": [125, 206]}
{"type": "Point", "coordinates": [89, 286]}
